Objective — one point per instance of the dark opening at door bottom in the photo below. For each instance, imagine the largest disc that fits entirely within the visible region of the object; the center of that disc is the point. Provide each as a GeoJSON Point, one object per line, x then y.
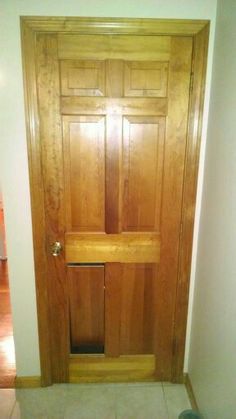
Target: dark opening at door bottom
{"type": "Point", "coordinates": [87, 349]}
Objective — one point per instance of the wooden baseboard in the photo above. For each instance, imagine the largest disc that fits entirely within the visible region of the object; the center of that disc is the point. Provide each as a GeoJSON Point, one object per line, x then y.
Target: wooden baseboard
{"type": "Point", "coordinates": [28, 382]}
{"type": "Point", "coordinates": [190, 392]}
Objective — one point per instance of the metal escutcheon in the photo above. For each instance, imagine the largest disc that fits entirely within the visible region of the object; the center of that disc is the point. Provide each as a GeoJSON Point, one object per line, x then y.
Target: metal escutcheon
{"type": "Point", "coordinates": [56, 248]}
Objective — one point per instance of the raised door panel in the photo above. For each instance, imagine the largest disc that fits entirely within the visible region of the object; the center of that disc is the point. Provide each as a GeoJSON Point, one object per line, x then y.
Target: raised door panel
{"type": "Point", "coordinates": [86, 302]}
{"type": "Point", "coordinates": [130, 315]}
{"type": "Point", "coordinates": [82, 78]}
{"type": "Point", "coordinates": [84, 171]}
{"type": "Point", "coordinates": [146, 78]}
{"type": "Point", "coordinates": [143, 153]}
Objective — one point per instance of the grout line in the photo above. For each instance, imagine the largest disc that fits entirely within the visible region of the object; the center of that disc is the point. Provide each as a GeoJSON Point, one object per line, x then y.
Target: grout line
{"type": "Point", "coordinates": [165, 400]}
{"type": "Point", "coordinates": [12, 410]}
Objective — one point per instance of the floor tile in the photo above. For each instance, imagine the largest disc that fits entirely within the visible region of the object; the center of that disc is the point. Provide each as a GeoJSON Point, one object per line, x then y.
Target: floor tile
{"type": "Point", "coordinates": [7, 401]}
{"type": "Point", "coordinates": [97, 401]}
{"type": "Point", "coordinates": [176, 399]}
{"type": "Point", "coordinates": [91, 402]}
{"type": "Point", "coordinates": [66, 401]}
{"type": "Point", "coordinates": [141, 402]}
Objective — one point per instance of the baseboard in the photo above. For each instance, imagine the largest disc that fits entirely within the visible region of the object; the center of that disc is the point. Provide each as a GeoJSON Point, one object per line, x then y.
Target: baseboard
{"type": "Point", "coordinates": [28, 382]}
{"type": "Point", "coordinates": [190, 392]}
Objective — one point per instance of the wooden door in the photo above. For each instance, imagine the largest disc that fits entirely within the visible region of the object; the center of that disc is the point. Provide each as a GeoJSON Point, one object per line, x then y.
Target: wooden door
{"type": "Point", "coordinates": [113, 120]}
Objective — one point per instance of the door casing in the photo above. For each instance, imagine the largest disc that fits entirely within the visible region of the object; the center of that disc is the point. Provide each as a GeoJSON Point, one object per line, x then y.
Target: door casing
{"type": "Point", "coordinates": [199, 31]}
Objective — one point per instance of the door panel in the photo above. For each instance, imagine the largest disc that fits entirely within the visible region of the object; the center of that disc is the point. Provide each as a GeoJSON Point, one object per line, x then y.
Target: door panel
{"type": "Point", "coordinates": [146, 78]}
{"type": "Point", "coordinates": [84, 172]}
{"type": "Point", "coordinates": [86, 302]}
{"type": "Point", "coordinates": [142, 161]}
{"type": "Point", "coordinates": [82, 78]}
{"type": "Point", "coordinates": [131, 293]}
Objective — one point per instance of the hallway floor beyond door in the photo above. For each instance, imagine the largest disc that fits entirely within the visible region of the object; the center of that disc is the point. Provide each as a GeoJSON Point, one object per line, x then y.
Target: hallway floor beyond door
{"type": "Point", "coordinates": [7, 352]}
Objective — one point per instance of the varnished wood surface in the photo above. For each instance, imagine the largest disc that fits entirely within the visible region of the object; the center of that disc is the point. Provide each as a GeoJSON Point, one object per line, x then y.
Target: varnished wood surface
{"type": "Point", "coordinates": [110, 25]}
{"type": "Point", "coordinates": [7, 350]}
{"type": "Point", "coordinates": [84, 172]}
{"type": "Point", "coordinates": [37, 201]}
{"type": "Point", "coordinates": [81, 77]}
{"type": "Point", "coordinates": [101, 26]}
{"type": "Point", "coordinates": [148, 78]}
{"type": "Point", "coordinates": [175, 147]}
{"type": "Point", "coordinates": [86, 301]}
{"type": "Point", "coordinates": [142, 173]}
{"type": "Point", "coordinates": [120, 47]}
{"type": "Point", "coordinates": [113, 275]}
{"type": "Point", "coordinates": [91, 369]}
{"type": "Point", "coordinates": [200, 49]}
{"type": "Point", "coordinates": [130, 315]}
{"type": "Point", "coordinates": [121, 106]}
{"type": "Point", "coordinates": [102, 248]}
{"type": "Point", "coordinates": [113, 198]}
{"type": "Point", "coordinates": [52, 163]}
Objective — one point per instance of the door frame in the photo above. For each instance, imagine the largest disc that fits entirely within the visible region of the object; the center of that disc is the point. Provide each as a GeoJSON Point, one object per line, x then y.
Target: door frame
{"type": "Point", "coordinates": [199, 31]}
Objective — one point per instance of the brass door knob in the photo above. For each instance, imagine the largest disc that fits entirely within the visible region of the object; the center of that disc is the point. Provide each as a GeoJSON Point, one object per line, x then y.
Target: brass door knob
{"type": "Point", "coordinates": [56, 248]}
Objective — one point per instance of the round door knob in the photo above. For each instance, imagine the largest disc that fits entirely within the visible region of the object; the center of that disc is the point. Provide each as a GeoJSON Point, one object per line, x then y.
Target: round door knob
{"type": "Point", "coordinates": [56, 248]}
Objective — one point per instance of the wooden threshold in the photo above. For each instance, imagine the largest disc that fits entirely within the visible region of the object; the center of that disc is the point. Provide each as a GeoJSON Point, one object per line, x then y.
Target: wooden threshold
{"type": "Point", "coordinates": [99, 369]}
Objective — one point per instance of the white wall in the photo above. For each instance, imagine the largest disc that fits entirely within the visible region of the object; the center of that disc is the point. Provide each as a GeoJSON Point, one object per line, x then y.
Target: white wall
{"type": "Point", "coordinates": [13, 154]}
{"type": "Point", "coordinates": [212, 363]}
{"type": "Point", "coordinates": [2, 230]}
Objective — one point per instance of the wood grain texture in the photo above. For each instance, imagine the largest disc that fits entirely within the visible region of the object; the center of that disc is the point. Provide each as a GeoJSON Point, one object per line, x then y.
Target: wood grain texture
{"type": "Point", "coordinates": [130, 368]}
{"type": "Point", "coordinates": [52, 162]}
{"type": "Point", "coordinates": [142, 172]}
{"type": "Point", "coordinates": [84, 172]}
{"type": "Point", "coordinates": [176, 133]}
{"type": "Point", "coordinates": [37, 200]}
{"type": "Point", "coordinates": [114, 25]}
{"type": "Point", "coordinates": [111, 106]}
{"type": "Point", "coordinates": [113, 170]}
{"type": "Point", "coordinates": [113, 275]}
{"type": "Point", "coordinates": [145, 78]}
{"type": "Point", "coordinates": [139, 284]}
{"type": "Point", "coordinates": [107, 47]}
{"type": "Point", "coordinates": [130, 316]}
{"type": "Point", "coordinates": [82, 78]}
{"type": "Point", "coordinates": [86, 300]}
{"type": "Point", "coordinates": [103, 248]}
{"type": "Point", "coordinates": [200, 49]}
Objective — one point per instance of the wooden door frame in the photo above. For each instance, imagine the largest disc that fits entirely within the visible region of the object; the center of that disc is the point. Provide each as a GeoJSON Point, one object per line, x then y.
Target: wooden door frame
{"type": "Point", "coordinates": [199, 30]}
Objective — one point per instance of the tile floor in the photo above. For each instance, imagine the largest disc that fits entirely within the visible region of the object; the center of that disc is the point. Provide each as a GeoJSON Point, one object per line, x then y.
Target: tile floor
{"type": "Point", "coordinates": [95, 401]}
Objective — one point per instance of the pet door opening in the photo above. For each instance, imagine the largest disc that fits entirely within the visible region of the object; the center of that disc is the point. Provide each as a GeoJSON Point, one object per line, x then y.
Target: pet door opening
{"type": "Point", "coordinates": [86, 302]}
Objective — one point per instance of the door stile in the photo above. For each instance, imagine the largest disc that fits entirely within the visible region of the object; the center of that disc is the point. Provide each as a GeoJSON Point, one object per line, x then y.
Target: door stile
{"type": "Point", "coordinates": [52, 169]}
